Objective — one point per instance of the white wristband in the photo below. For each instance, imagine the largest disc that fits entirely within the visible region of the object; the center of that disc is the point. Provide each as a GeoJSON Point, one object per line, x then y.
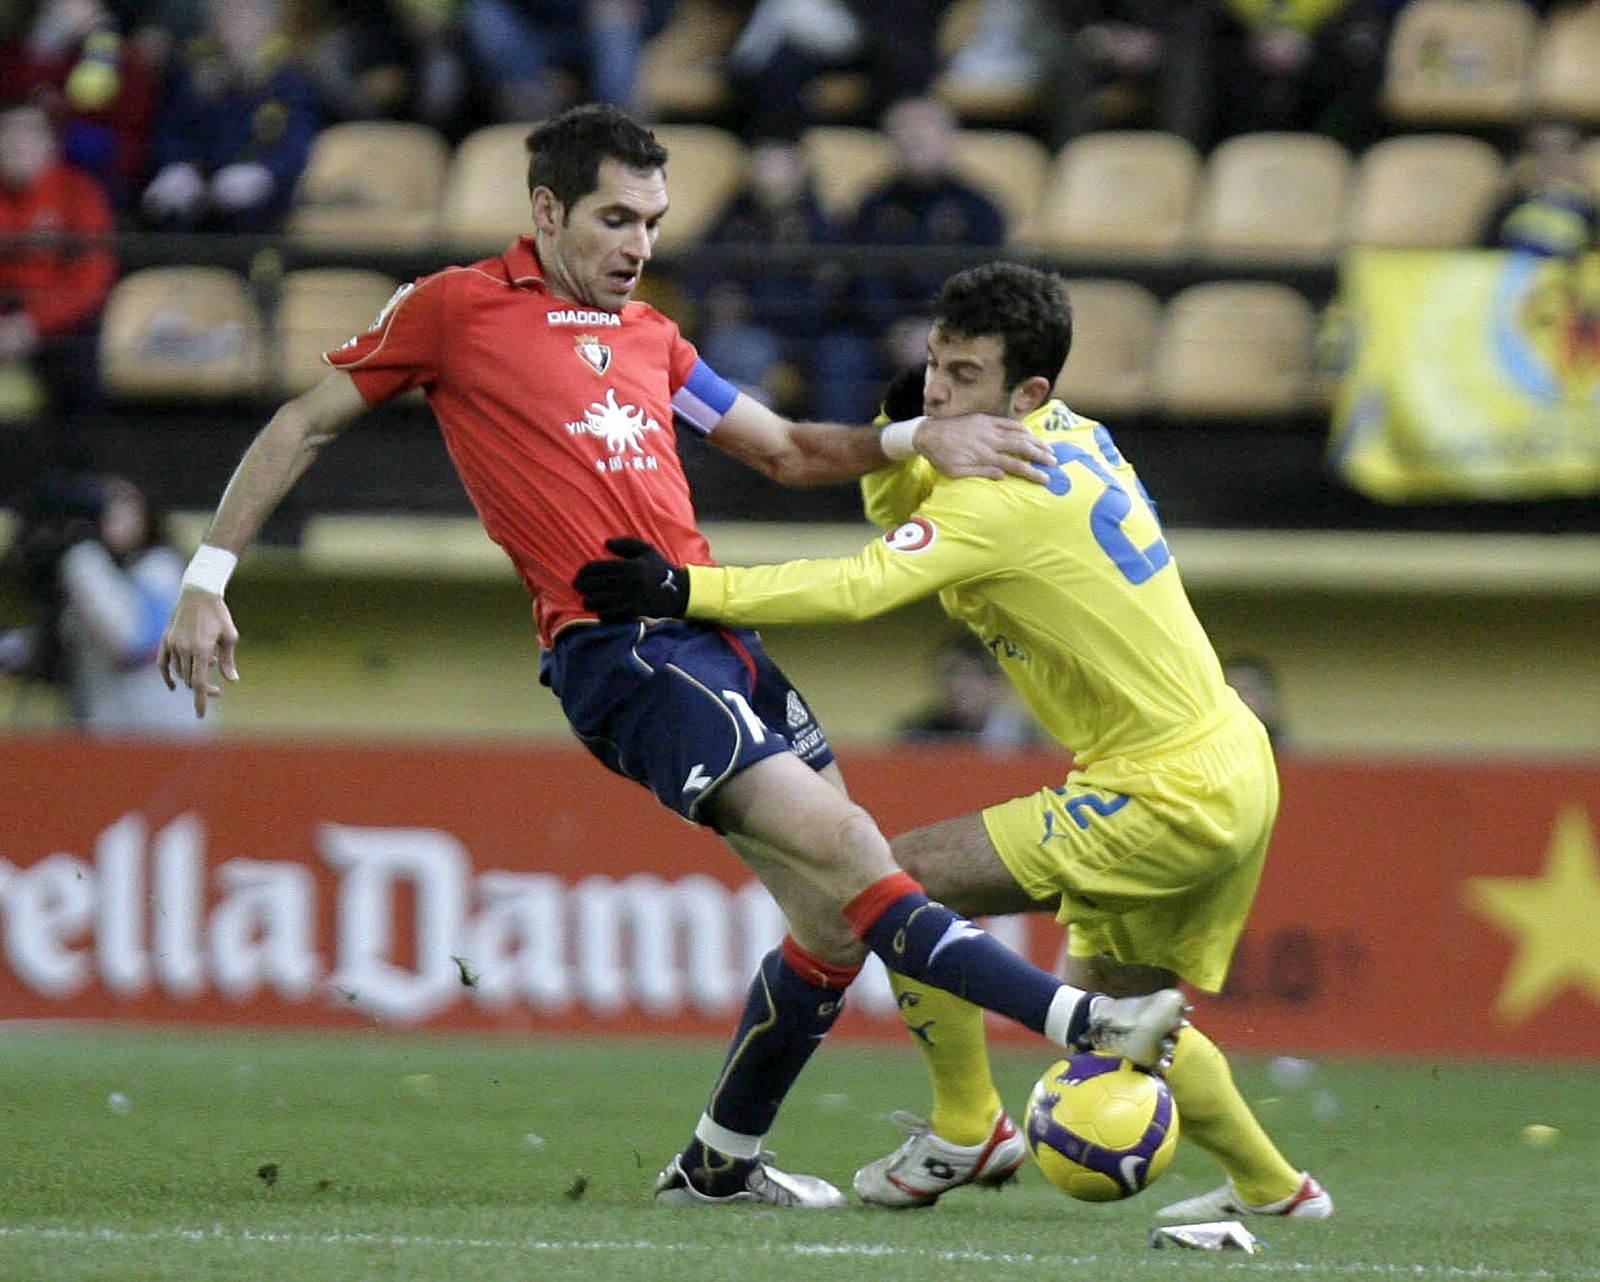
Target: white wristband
{"type": "Point", "coordinates": [209, 569]}
{"type": "Point", "coordinates": [895, 439]}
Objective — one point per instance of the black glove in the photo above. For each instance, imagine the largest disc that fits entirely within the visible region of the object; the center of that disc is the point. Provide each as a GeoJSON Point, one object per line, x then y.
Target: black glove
{"type": "Point", "coordinates": [902, 398]}
{"type": "Point", "coordinates": [643, 584]}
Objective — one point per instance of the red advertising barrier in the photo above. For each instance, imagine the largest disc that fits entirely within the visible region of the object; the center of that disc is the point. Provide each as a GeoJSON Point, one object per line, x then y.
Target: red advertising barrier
{"type": "Point", "coordinates": [1407, 908]}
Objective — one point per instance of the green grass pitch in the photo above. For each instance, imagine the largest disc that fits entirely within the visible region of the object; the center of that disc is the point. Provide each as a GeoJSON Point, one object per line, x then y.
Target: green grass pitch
{"type": "Point", "coordinates": [135, 1155]}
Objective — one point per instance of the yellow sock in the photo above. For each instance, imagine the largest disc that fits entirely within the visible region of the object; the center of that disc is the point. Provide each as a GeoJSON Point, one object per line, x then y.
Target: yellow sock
{"type": "Point", "coordinates": [949, 1033]}
{"type": "Point", "coordinates": [1213, 1114]}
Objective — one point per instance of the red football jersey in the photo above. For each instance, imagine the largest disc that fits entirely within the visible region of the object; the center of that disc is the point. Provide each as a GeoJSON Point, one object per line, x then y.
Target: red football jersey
{"type": "Point", "coordinates": [558, 417]}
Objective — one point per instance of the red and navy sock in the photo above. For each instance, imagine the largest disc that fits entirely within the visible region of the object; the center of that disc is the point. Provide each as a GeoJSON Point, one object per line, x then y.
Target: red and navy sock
{"type": "Point", "coordinates": [794, 1000]}
{"type": "Point", "coordinates": [925, 941]}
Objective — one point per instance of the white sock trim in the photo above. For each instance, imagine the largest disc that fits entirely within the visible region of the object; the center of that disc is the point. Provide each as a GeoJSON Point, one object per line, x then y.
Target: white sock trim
{"type": "Point", "coordinates": [744, 1147]}
{"type": "Point", "coordinates": [1059, 1017]}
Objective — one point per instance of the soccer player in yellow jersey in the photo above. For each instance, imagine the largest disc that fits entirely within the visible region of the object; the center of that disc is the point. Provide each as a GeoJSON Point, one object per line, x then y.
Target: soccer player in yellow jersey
{"type": "Point", "coordinates": [1151, 850]}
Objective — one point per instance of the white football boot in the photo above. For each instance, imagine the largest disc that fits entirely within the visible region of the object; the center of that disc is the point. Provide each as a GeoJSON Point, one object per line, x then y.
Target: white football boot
{"type": "Point", "coordinates": [1308, 1202]}
{"type": "Point", "coordinates": [765, 1185]}
{"type": "Point", "coordinates": [925, 1167]}
{"type": "Point", "coordinates": [1140, 1029]}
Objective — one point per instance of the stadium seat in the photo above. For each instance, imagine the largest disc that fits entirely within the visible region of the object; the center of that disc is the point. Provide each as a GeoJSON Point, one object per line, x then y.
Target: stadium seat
{"type": "Point", "coordinates": [846, 162]}
{"type": "Point", "coordinates": [175, 333]}
{"type": "Point", "coordinates": [679, 73]}
{"type": "Point", "coordinates": [370, 184]}
{"type": "Point", "coordinates": [1272, 197]}
{"type": "Point", "coordinates": [1114, 326]}
{"type": "Point", "coordinates": [1235, 347]}
{"type": "Point", "coordinates": [318, 309]}
{"type": "Point", "coordinates": [1460, 63]}
{"type": "Point", "coordinates": [1566, 66]}
{"type": "Point", "coordinates": [1011, 167]}
{"type": "Point", "coordinates": [705, 167]}
{"type": "Point", "coordinates": [1119, 194]}
{"type": "Point", "coordinates": [1423, 191]}
{"type": "Point", "coordinates": [996, 102]}
{"type": "Point", "coordinates": [485, 204]}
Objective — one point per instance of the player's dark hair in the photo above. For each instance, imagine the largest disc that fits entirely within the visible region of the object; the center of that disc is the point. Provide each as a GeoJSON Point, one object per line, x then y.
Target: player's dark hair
{"type": "Point", "coordinates": [1027, 309]}
{"type": "Point", "coordinates": [564, 153]}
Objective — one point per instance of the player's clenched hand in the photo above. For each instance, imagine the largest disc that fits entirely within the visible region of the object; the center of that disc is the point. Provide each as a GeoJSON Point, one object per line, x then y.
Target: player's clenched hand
{"type": "Point", "coordinates": [983, 445]}
{"type": "Point", "coordinates": [199, 635]}
{"type": "Point", "coordinates": [642, 584]}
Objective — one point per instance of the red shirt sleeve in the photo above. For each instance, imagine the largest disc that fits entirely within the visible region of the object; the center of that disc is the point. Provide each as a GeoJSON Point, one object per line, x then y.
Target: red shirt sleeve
{"type": "Point", "coordinates": [401, 349]}
{"type": "Point", "coordinates": [680, 360]}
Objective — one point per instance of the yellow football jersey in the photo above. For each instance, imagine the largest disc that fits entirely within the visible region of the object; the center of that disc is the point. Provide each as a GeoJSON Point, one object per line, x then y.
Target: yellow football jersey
{"type": "Point", "coordinates": [1070, 584]}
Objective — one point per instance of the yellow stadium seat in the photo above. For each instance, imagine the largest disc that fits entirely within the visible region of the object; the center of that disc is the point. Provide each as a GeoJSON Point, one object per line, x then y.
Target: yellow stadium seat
{"type": "Point", "coordinates": [1235, 348]}
{"type": "Point", "coordinates": [485, 204]}
{"type": "Point", "coordinates": [1460, 63]}
{"type": "Point", "coordinates": [1119, 194]}
{"type": "Point", "coordinates": [1423, 191]}
{"type": "Point", "coordinates": [1566, 66]}
{"type": "Point", "coordinates": [705, 167]}
{"type": "Point", "coordinates": [1009, 167]}
{"type": "Point", "coordinates": [370, 184]}
{"type": "Point", "coordinates": [174, 333]}
{"type": "Point", "coordinates": [679, 73]}
{"type": "Point", "coordinates": [1114, 326]}
{"type": "Point", "coordinates": [846, 162]}
{"type": "Point", "coordinates": [1272, 197]}
{"type": "Point", "coordinates": [318, 309]}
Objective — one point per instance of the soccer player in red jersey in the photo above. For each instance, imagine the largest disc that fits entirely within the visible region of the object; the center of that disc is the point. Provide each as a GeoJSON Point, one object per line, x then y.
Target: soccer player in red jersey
{"type": "Point", "coordinates": [556, 395]}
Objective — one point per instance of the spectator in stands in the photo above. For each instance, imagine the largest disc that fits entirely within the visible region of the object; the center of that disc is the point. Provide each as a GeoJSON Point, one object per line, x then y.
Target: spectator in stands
{"type": "Point", "coordinates": [104, 90]}
{"type": "Point", "coordinates": [56, 265]}
{"type": "Point", "coordinates": [104, 580]}
{"type": "Point", "coordinates": [1126, 64]}
{"type": "Point", "coordinates": [923, 203]}
{"type": "Point", "coordinates": [787, 45]}
{"type": "Point", "coordinates": [1548, 208]}
{"type": "Point", "coordinates": [444, 88]}
{"type": "Point", "coordinates": [769, 326]}
{"type": "Point", "coordinates": [356, 55]}
{"type": "Point", "coordinates": [973, 701]}
{"type": "Point", "coordinates": [1004, 47]}
{"type": "Point", "coordinates": [540, 56]}
{"type": "Point", "coordinates": [1314, 65]}
{"type": "Point", "coordinates": [236, 128]}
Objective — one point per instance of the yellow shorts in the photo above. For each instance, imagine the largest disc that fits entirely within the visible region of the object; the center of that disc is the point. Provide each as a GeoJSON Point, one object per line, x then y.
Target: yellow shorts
{"type": "Point", "coordinates": [1156, 860]}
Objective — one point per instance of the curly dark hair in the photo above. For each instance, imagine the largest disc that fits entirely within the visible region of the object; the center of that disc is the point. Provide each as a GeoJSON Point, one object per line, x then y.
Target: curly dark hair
{"type": "Point", "coordinates": [1027, 309]}
{"type": "Point", "coordinates": [564, 153]}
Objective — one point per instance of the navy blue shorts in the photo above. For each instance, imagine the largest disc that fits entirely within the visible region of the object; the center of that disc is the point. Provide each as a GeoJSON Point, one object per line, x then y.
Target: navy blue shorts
{"type": "Point", "coordinates": [679, 706]}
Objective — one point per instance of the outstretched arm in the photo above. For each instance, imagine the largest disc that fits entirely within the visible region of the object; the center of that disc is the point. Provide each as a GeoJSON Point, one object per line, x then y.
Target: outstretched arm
{"type": "Point", "coordinates": [821, 453]}
{"type": "Point", "coordinates": [201, 633]}
{"type": "Point", "coordinates": [955, 538]}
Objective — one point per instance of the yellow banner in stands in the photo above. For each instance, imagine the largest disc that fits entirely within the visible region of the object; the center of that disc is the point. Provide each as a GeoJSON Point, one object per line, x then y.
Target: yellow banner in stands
{"type": "Point", "coordinates": [1473, 375]}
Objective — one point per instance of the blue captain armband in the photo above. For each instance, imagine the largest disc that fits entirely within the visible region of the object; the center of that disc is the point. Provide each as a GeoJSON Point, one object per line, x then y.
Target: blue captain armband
{"type": "Point", "coordinates": [704, 398]}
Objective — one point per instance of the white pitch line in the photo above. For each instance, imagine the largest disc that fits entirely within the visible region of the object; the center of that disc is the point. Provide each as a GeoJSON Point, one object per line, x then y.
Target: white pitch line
{"type": "Point", "coordinates": [864, 1250]}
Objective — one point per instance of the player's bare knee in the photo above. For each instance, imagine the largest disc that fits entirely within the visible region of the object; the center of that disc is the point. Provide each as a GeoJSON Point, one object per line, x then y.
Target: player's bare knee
{"type": "Point", "coordinates": [861, 852]}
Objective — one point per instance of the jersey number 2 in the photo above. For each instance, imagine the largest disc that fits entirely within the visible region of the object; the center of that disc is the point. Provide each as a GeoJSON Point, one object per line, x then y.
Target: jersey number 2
{"type": "Point", "coordinates": [1111, 509]}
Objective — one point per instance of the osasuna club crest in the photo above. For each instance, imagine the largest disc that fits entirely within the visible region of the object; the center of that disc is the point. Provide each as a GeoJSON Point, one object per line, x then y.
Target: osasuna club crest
{"type": "Point", "coordinates": [595, 354]}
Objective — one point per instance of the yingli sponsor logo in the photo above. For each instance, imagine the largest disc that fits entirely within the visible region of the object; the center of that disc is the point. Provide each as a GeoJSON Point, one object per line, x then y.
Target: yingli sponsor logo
{"type": "Point", "coordinates": [393, 921]}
